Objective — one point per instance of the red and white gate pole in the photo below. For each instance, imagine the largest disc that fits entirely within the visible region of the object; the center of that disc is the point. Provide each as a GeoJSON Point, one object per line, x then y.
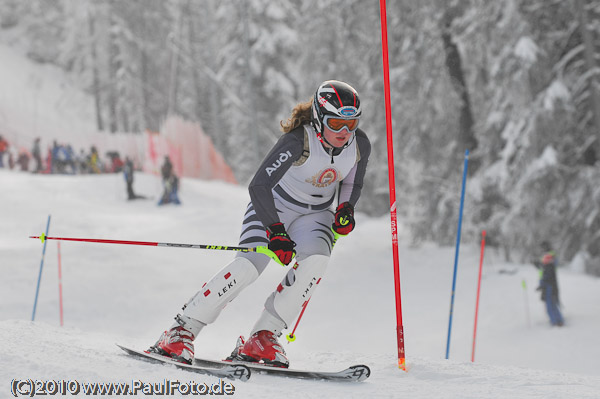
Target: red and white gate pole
{"type": "Point", "coordinates": [392, 184]}
{"type": "Point", "coordinates": [478, 290]}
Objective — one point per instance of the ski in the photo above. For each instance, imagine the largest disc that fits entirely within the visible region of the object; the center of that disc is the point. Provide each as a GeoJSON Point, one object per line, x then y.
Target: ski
{"type": "Point", "coordinates": [232, 371]}
{"type": "Point", "coordinates": [351, 374]}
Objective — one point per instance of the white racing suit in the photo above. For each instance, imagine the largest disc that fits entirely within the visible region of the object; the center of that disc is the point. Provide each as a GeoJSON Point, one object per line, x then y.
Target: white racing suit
{"type": "Point", "coordinates": [295, 185]}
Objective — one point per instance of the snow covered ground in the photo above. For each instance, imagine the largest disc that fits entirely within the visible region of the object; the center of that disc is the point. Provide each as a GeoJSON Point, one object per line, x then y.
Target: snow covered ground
{"type": "Point", "coordinates": [129, 294]}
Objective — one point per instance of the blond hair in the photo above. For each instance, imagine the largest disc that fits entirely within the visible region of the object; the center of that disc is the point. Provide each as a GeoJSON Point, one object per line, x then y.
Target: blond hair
{"type": "Point", "coordinates": [301, 114]}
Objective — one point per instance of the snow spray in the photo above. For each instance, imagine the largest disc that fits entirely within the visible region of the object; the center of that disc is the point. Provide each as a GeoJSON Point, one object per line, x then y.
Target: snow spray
{"type": "Point", "coordinates": [460, 213]}
{"type": "Point", "coordinates": [37, 291]}
{"type": "Point", "coordinates": [478, 290]}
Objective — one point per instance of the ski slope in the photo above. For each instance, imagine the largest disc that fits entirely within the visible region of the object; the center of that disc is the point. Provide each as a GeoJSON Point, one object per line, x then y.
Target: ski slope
{"type": "Point", "coordinates": [129, 295]}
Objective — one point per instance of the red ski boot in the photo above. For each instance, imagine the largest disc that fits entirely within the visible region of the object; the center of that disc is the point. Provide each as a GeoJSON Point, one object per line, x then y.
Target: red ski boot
{"type": "Point", "coordinates": [177, 343]}
{"type": "Point", "coordinates": [263, 346]}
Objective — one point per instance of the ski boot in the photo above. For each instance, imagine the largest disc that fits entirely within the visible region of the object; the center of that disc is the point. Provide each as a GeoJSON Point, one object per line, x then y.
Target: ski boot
{"type": "Point", "coordinates": [261, 346]}
{"type": "Point", "coordinates": [177, 343]}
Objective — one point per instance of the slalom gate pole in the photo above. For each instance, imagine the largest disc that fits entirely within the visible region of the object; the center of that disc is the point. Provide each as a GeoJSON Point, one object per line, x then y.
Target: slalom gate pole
{"type": "Point", "coordinates": [392, 185]}
{"type": "Point", "coordinates": [478, 290]}
{"type": "Point", "coordinates": [524, 284]}
{"type": "Point", "coordinates": [37, 290]}
{"type": "Point", "coordinates": [460, 213]}
{"type": "Point", "coordinates": [260, 249]}
{"type": "Point", "coordinates": [60, 296]}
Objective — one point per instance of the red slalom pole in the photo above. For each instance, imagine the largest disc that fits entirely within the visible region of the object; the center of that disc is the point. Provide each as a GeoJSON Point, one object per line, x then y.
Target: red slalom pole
{"type": "Point", "coordinates": [478, 290]}
{"type": "Point", "coordinates": [60, 295]}
{"type": "Point", "coordinates": [392, 184]}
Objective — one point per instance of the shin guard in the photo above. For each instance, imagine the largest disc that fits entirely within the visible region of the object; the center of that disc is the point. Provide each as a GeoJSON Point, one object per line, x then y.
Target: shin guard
{"type": "Point", "coordinates": [208, 303]}
{"type": "Point", "coordinates": [285, 304]}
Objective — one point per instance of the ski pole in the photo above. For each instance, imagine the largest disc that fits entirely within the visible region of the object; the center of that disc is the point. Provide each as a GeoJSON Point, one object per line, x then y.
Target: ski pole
{"type": "Point", "coordinates": [291, 337]}
{"type": "Point", "coordinates": [260, 249]}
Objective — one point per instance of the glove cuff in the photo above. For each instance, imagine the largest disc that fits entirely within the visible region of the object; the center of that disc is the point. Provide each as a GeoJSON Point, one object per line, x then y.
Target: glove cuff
{"type": "Point", "coordinates": [276, 229]}
{"type": "Point", "coordinates": [346, 205]}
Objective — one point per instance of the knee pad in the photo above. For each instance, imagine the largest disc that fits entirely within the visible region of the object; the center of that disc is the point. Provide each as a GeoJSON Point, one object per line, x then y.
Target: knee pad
{"type": "Point", "coordinates": [208, 303]}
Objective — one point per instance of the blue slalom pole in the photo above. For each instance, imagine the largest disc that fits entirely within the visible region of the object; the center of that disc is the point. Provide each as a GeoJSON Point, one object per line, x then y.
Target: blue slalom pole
{"type": "Point", "coordinates": [462, 202]}
{"type": "Point", "coordinates": [37, 291]}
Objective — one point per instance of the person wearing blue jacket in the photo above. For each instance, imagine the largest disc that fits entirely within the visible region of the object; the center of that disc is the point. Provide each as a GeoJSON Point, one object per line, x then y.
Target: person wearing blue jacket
{"type": "Point", "coordinates": [549, 284]}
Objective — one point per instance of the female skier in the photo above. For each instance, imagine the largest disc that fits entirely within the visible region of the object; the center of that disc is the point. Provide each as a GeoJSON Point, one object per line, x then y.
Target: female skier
{"type": "Point", "coordinates": [290, 210]}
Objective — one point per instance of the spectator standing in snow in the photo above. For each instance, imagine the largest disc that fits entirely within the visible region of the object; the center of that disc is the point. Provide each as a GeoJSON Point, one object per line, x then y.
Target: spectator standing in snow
{"type": "Point", "coordinates": [170, 183]}
{"type": "Point", "coordinates": [3, 149]}
{"type": "Point", "coordinates": [322, 152]}
{"type": "Point", "coordinates": [69, 159]}
{"type": "Point", "coordinates": [37, 155]}
{"type": "Point", "coordinates": [128, 171]}
{"type": "Point", "coordinates": [57, 164]}
{"type": "Point", "coordinates": [23, 160]}
{"type": "Point", "coordinates": [11, 159]}
{"type": "Point", "coordinates": [94, 165]}
{"type": "Point", "coordinates": [82, 162]}
{"type": "Point", "coordinates": [549, 284]}
{"type": "Point", "coordinates": [167, 168]}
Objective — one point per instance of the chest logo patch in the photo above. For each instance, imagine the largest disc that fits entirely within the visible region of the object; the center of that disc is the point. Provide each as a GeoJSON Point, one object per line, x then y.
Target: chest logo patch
{"type": "Point", "coordinates": [324, 178]}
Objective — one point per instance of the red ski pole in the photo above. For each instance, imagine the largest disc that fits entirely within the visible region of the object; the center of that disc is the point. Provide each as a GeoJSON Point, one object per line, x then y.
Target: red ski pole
{"type": "Point", "coordinates": [478, 289]}
{"type": "Point", "coordinates": [260, 249]}
{"type": "Point", "coordinates": [291, 337]}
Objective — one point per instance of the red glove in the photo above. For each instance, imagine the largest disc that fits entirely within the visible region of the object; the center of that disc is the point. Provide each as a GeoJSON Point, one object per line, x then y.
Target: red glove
{"type": "Point", "coordinates": [344, 223]}
{"type": "Point", "coordinates": [280, 243]}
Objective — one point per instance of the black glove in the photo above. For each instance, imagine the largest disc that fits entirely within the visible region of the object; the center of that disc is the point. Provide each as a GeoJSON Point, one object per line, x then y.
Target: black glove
{"type": "Point", "coordinates": [280, 243]}
{"type": "Point", "coordinates": [344, 219]}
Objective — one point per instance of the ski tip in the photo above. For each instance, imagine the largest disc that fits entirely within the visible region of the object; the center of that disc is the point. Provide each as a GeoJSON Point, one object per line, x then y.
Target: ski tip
{"type": "Point", "coordinates": [124, 348]}
{"type": "Point", "coordinates": [360, 372]}
{"type": "Point", "coordinates": [238, 372]}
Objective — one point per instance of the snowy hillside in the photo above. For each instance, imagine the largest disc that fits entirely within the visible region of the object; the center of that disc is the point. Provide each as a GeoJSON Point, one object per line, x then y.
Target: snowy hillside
{"type": "Point", "coordinates": [129, 294]}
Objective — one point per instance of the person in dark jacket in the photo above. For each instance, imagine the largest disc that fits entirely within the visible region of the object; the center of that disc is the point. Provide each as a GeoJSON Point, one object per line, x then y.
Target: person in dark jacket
{"type": "Point", "coordinates": [170, 183]}
{"type": "Point", "coordinates": [128, 170]}
{"type": "Point", "coordinates": [3, 148]}
{"type": "Point", "coordinates": [37, 155]}
{"type": "Point", "coordinates": [549, 284]}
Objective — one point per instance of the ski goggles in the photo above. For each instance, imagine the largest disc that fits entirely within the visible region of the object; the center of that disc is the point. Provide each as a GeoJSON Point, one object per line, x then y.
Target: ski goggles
{"type": "Point", "coordinates": [338, 124]}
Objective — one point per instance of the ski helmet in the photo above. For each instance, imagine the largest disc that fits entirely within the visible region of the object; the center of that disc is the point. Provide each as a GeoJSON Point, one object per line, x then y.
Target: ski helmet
{"type": "Point", "coordinates": [337, 99]}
